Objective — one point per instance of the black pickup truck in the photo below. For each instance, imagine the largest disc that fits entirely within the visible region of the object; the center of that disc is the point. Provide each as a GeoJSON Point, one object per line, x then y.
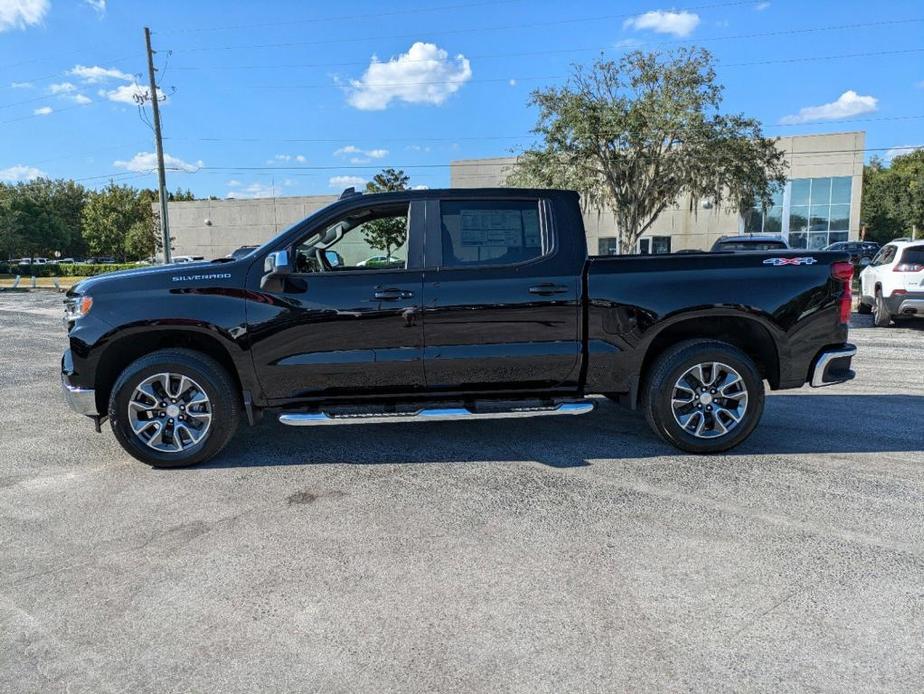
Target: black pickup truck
{"type": "Point", "coordinates": [491, 307]}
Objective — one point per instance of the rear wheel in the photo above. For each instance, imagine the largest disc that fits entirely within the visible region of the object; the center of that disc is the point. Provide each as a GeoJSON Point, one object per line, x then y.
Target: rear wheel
{"type": "Point", "coordinates": [703, 396]}
{"type": "Point", "coordinates": [881, 316]}
{"type": "Point", "coordinates": [174, 407]}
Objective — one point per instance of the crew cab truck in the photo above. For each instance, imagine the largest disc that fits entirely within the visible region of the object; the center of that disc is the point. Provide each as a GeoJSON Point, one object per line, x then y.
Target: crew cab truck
{"type": "Point", "coordinates": [491, 307]}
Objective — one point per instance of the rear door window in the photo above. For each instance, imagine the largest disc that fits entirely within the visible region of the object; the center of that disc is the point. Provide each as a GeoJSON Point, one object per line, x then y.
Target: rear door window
{"type": "Point", "coordinates": [490, 232]}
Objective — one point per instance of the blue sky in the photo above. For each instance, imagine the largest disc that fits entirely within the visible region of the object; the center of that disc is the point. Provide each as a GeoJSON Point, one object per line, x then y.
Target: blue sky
{"type": "Point", "coordinates": [307, 97]}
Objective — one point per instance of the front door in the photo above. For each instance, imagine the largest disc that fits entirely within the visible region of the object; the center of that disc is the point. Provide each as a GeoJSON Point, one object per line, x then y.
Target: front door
{"type": "Point", "coordinates": [347, 322]}
{"type": "Point", "coordinates": [501, 307]}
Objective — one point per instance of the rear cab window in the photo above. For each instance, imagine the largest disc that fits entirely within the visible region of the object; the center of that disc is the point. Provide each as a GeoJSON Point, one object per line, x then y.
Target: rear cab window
{"type": "Point", "coordinates": [490, 232]}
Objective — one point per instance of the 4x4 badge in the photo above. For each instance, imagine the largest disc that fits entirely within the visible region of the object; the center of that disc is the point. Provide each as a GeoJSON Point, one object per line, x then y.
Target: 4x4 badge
{"type": "Point", "coordinates": [778, 262]}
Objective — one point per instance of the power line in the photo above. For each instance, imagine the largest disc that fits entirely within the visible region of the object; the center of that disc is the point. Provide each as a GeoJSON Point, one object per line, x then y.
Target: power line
{"type": "Point", "coordinates": [317, 20]}
{"type": "Point", "coordinates": [378, 165]}
{"type": "Point", "coordinates": [478, 138]}
{"type": "Point", "coordinates": [557, 22]}
{"type": "Point", "coordinates": [488, 80]}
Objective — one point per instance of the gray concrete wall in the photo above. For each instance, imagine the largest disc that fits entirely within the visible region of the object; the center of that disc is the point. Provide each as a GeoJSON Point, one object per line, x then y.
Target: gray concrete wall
{"type": "Point", "coordinates": [213, 228]}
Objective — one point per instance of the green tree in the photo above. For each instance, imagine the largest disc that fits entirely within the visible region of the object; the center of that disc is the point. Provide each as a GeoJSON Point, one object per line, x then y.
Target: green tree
{"type": "Point", "coordinates": [893, 197]}
{"type": "Point", "coordinates": [389, 233]}
{"type": "Point", "coordinates": [40, 217]}
{"type": "Point", "coordinates": [108, 217]}
{"type": "Point", "coordinates": [637, 135]}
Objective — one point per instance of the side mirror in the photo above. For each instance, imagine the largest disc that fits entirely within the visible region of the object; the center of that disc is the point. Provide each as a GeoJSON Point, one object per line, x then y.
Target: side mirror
{"type": "Point", "coordinates": [275, 267]}
{"type": "Point", "coordinates": [333, 257]}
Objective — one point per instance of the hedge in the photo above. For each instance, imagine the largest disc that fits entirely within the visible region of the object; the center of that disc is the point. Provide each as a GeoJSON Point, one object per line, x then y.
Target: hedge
{"type": "Point", "coordinates": [68, 270]}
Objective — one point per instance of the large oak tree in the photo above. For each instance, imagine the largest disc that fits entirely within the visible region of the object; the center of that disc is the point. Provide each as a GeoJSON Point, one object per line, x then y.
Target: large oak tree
{"type": "Point", "coordinates": [636, 135]}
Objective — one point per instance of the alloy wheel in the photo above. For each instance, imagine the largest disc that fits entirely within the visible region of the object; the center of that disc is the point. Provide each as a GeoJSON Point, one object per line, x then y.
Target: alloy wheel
{"type": "Point", "coordinates": [709, 400]}
{"type": "Point", "coordinates": [169, 412]}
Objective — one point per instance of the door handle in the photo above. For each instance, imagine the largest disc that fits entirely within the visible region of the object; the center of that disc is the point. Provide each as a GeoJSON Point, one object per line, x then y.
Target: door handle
{"type": "Point", "coordinates": [548, 289]}
{"type": "Point", "coordinates": [392, 294]}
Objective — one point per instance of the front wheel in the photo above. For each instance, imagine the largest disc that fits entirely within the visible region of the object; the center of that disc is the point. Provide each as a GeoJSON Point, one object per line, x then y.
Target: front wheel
{"type": "Point", "coordinates": [174, 407]}
{"type": "Point", "coordinates": [703, 396]}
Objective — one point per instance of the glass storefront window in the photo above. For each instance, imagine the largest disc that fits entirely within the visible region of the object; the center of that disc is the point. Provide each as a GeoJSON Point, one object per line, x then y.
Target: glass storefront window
{"type": "Point", "coordinates": [608, 246]}
{"type": "Point", "coordinates": [818, 218]}
{"type": "Point", "coordinates": [840, 190]}
{"type": "Point", "coordinates": [799, 191]}
{"type": "Point", "coordinates": [821, 207]}
{"type": "Point", "coordinates": [799, 240]}
{"type": "Point", "coordinates": [840, 218]}
{"type": "Point", "coordinates": [821, 191]}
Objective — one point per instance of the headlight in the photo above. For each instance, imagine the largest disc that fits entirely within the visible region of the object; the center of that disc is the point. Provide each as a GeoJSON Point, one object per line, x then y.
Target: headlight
{"type": "Point", "coordinates": [77, 307]}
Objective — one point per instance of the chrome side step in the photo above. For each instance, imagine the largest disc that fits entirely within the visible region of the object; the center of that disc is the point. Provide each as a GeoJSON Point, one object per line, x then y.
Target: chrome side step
{"type": "Point", "coordinates": [304, 419]}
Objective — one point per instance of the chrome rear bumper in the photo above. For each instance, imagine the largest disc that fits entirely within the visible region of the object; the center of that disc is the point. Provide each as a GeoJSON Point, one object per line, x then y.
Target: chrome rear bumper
{"type": "Point", "coordinates": [833, 366]}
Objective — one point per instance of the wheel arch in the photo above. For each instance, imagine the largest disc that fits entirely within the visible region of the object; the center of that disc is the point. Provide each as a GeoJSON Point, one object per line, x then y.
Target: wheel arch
{"type": "Point", "coordinates": [128, 347]}
{"type": "Point", "coordinates": [746, 333]}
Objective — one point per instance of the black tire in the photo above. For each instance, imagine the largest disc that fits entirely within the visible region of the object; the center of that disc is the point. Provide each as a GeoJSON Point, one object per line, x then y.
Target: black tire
{"type": "Point", "coordinates": [658, 392]}
{"type": "Point", "coordinates": [881, 316]}
{"type": "Point", "coordinates": [864, 308]}
{"type": "Point", "coordinates": [219, 387]}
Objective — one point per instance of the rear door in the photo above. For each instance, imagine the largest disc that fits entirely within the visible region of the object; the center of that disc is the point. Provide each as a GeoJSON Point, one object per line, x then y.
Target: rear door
{"type": "Point", "coordinates": [501, 297]}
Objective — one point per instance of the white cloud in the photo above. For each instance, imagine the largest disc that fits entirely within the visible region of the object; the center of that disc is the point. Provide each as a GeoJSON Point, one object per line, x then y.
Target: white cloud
{"type": "Point", "coordinates": [281, 158]}
{"type": "Point", "coordinates": [761, 6]}
{"type": "Point", "coordinates": [20, 172]}
{"type": "Point", "coordinates": [126, 93]}
{"type": "Point", "coordinates": [97, 74]}
{"type": "Point", "coordinates": [19, 14]}
{"type": "Point", "coordinates": [62, 88]}
{"type": "Point", "coordinates": [847, 104]}
{"type": "Point", "coordinates": [421, 187]}
{"type": "Point", "coordinates": [81, 99]}
{"type": "Point", "coordinates": [233, 183]}
{"type": "Point", "coordinates": [147, 161]}
{"type": "Point", "coordinates": [21, 85]}
{"type": "Point", "coordinates": [665, 22]}
{"type": "Point", "coordinates": [341, 182]}
{"type": "Point", "coordinates": [423, 75]}
{"type": "Point", "coordinates": [628, 43]}
{"type": "Point", "coordinates": [98, 5]}
{"type": "Point", "coordinates": [254, 190]}
{"type": "Point", "coordinates": [43, 111]}
{"type": "Point", "coordinates": [364, 154]}
{"type": "Point", "coordinates": [900, 150]}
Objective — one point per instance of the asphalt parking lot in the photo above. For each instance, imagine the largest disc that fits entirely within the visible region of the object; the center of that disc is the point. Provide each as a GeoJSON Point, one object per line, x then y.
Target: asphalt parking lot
{"type": "Point", "coordinates": [569, 554]}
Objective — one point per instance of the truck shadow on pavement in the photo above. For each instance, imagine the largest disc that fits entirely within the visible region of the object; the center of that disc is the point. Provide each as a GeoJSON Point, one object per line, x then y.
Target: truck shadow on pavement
{"type": "Point", "coordinates": [792, 424]}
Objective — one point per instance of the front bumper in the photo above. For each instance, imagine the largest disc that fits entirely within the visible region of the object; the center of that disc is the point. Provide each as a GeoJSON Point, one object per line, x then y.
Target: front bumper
{"type": "Point", "coordinates": [833, 366]}
{"type": "Point", "coordinates": [81, 400]}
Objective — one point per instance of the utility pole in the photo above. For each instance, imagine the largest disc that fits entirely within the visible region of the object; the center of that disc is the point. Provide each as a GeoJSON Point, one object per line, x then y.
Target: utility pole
{"type": "Point", "coordinates": [161, 173]}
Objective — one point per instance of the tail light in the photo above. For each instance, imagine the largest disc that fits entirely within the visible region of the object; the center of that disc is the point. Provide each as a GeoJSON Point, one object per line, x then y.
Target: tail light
{"type": "Point", "coordinates": [843, 271]}
{"type": "Point", "coordinates": [908, 267]}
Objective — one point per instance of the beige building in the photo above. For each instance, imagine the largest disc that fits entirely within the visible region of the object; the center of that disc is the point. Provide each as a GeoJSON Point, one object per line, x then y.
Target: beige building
{"type": "Point", "coordinates": [820, 205]}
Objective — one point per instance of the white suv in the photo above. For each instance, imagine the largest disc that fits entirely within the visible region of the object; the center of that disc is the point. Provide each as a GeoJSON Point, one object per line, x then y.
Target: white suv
{"type": "Point", "coordinates": [892, 285]}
